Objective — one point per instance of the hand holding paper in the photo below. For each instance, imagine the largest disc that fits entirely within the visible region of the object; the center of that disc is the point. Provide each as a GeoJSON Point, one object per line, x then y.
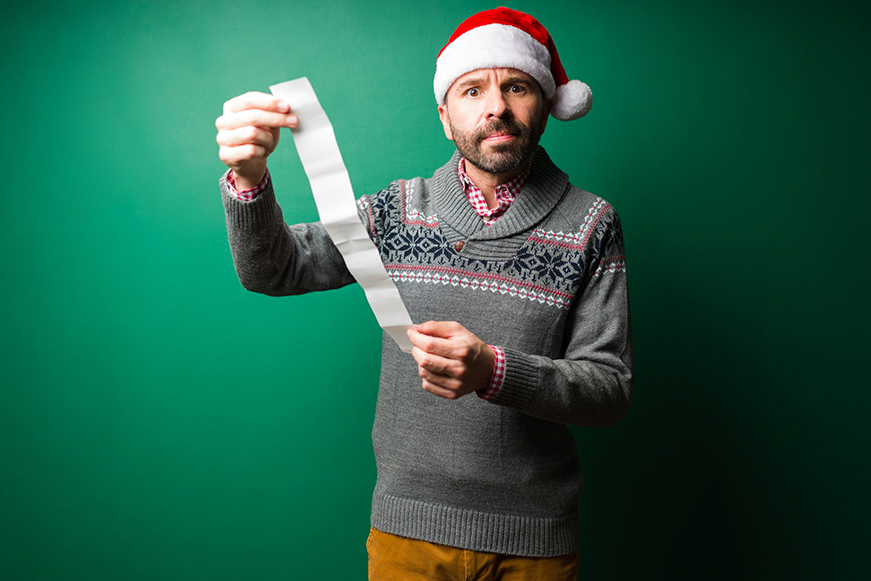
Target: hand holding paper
{"type": "Point", "coordinates": [452, 361]}
{"type": "Point", "coordinates": [248, 132]}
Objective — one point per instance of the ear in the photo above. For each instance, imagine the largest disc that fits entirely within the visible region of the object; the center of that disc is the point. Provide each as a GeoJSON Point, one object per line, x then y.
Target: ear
{"type": "Point", "coordinates": [545, 111]}
{"type": "Point", "coordinates": [446, 123]}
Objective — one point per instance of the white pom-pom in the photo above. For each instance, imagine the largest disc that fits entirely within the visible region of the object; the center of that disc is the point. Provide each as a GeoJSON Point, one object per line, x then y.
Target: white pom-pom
{"type": "Point", "coordinates": [572, 101]}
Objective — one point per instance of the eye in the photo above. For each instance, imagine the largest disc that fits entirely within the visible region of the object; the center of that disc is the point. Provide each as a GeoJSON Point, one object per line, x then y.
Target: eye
{"type": "Point", "coordinates": [473, 92]}
{"type": "Point", "coordinates": [516, 89]}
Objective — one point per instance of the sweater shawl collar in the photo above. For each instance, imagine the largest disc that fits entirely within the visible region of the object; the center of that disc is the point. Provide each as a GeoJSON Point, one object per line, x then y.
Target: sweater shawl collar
{"type": "Point", "coordinates": [544, 188]}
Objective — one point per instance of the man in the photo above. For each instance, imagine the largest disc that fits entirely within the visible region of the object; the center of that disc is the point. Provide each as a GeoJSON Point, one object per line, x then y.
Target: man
{"type": "Point", "coordinates": [520, 278]}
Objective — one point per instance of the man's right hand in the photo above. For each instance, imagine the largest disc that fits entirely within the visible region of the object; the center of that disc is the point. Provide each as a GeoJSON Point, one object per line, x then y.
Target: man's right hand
{"type": "Point", "coordinates": [248, 132]}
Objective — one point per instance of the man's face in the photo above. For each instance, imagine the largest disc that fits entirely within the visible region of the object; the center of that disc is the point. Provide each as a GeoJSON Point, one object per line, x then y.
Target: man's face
{"type": "Point", "coordinates": [495, 117]}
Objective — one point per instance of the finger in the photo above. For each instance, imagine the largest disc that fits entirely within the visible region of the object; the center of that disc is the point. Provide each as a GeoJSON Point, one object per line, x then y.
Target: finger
{"type": "Point", "coordinates": [446, 338]}
{"type": "Point", "coordinates": [443, 381]}
{"type": "Point", "coordinates": [440, 391]}
{"type": "Point", "coordinates": [454, 349]}
{"type": "Point", "coordinates": [256, 117]}
{"type": "Point", "coordinates": [438, 369]}
{"type": "Point", "coordinates": [431, 344]}
{"type": "Point", "coordinates": [235, 156]}
{"type": "Point", "coordinates": [445, 329]}
{"type": "Point", "coordinates": [246, 135]}
{"type": "Point", "coordinates": [435, 363]}
{"type": "Point", "coordinates": [256, 100]}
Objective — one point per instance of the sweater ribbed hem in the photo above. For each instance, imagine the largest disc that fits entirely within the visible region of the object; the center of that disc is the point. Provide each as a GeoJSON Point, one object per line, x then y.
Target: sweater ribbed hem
{"type": "Point", "coordinates": [475, 531]}
{"type": "Point", "coordinates": [519, 382]}
{"type": "Point", "coordinates": [250, 215]}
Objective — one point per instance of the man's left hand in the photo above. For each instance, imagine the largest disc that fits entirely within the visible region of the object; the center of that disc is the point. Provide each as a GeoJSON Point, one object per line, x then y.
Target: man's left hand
{"type": "Point", "coordinates": [451, 360]}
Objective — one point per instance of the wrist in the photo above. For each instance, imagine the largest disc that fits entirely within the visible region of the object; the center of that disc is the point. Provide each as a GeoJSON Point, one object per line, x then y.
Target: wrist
{"type": "Point", "coordinates": [246, 194]}
{"type": "Point", "coordinates": [247, 182]}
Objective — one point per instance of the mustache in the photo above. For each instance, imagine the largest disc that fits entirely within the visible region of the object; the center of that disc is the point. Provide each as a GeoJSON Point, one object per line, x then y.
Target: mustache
{"type": "Point", "coordinates": [501, 126]}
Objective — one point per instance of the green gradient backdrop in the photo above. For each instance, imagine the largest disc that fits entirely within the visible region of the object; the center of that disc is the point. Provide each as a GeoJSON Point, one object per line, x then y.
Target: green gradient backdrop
{"type": "Point", "coordinates": [159, 422]}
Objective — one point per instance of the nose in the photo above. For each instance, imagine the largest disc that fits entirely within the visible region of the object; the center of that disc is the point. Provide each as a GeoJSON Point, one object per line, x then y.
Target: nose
{"type": "Point", "coordinates": [496, 104]}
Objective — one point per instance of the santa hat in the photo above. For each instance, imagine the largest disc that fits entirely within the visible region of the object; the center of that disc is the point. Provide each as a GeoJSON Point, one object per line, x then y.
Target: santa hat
{"type": "Point", "coordinates": [505, 38]}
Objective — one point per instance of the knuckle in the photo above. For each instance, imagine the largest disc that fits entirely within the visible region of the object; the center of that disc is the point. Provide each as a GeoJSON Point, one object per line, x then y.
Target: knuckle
{"type": "Point", "coordinates": [223, 138]}
{"type": "Point", "coordinates": [245, 99]}
{"type": "Point", "coordinates": [248, 151]}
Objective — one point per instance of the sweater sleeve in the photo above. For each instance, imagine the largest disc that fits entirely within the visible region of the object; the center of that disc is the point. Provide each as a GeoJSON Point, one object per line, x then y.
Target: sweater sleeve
{"type": "Point", "coordinates": [591, 384]}
{"type": "Point", "coordinates": [274, 258]}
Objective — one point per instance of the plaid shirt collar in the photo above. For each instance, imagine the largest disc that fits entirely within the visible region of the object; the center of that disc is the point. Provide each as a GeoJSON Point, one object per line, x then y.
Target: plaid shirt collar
{"type": "Point", "coordinates": [505, 193]}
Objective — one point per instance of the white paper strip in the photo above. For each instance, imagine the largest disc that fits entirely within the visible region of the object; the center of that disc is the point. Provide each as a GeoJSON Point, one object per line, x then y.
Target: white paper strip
{"type": "Point", "coordinates": [316, 143]}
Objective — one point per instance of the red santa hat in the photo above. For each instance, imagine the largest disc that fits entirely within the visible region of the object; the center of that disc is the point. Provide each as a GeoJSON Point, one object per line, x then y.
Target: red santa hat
{"type": "Point", "coordinates": [505, 38]}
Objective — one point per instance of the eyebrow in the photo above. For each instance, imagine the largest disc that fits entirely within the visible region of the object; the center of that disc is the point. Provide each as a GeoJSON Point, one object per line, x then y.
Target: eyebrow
{"type": "Point", "coordinates": [471, 82]}
{"type": "Point", "coordinates": [515, 80]}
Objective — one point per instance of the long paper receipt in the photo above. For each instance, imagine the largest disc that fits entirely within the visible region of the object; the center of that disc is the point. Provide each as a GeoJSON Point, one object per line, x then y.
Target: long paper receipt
{"type": "Point", "coordinates": [331, 187]}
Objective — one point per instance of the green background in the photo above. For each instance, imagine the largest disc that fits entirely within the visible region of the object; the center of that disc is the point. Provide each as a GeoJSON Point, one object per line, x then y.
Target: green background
{"type": "Point", "coordinates": [159, 422]}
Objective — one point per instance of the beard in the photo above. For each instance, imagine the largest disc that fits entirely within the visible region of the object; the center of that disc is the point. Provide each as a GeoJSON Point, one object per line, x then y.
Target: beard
{"type": "Point", "coordinates": [502, 157]}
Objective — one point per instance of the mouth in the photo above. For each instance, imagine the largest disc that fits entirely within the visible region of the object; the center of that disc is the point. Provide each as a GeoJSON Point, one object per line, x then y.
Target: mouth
{"type": "Point", "coordinates": [498, 137]}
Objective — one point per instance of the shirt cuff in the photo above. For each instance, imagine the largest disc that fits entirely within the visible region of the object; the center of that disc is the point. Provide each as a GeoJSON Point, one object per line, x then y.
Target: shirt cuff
{"type": "Point", "coordinates": [249, 194]}
{"type": "Point", "coordinates": [497, 377]}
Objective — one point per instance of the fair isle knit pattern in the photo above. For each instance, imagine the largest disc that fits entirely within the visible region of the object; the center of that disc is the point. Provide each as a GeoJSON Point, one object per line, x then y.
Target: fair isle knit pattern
{"type": "Point", "coordinates": [546, 283]}
{"type": "Point", "coordinates": [547, 269]}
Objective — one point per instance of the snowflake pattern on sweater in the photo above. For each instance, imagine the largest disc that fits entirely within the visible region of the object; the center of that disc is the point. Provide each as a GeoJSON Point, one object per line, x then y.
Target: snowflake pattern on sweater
{"type": "Point", "coordinates": [549, 267]}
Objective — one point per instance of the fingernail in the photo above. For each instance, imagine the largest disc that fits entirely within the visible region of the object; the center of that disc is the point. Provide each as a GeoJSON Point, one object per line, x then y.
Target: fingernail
{"type": "Point", "coordinates": [292, 120]}
{"type": "Point", "coordinates": [283, 106]}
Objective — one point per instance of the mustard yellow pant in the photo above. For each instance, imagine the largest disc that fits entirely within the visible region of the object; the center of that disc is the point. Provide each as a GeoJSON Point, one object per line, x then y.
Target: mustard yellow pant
{"type": "Point", "coordinates": [401, 559]}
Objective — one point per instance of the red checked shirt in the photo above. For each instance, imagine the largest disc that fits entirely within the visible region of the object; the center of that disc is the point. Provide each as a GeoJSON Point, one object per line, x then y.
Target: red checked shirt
{"type": "Point", "coordinates": [505, 195]}
{"type": "Point", "coordinates": [246, 195]}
